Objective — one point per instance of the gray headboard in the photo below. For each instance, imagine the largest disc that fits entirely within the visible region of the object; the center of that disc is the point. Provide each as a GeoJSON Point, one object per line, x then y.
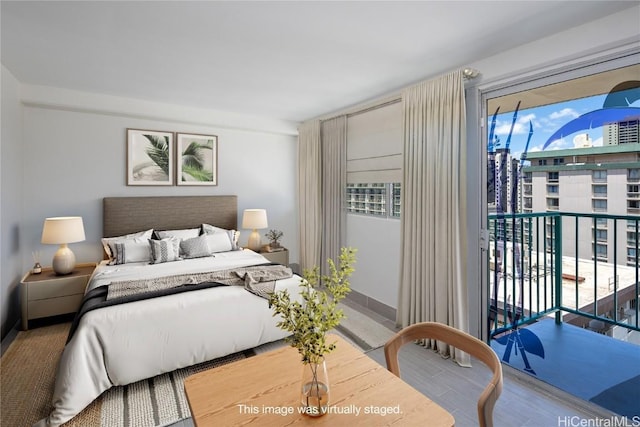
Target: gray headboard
{"type": "Point", "coordinates": [125, 215]}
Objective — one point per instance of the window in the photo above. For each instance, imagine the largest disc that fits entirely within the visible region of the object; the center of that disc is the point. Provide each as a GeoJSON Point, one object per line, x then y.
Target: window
{"type": "Point", "coordinates": [377, 199]}
{"type": "Point", "coordinates": [553, 204]}
{"type": "Point", "coordinates": [632, 237]}
{"type": "Point", "coordinates": [600, 176]}
{"type": "Point", "coordinates": [552, 189]}
{"type": "Point", "coordinates": [599, 205]}
{"type": "Point", "coordinates": [601, 222]}
{"type": "Point", "coordinates": [600, 250]}
{"type": "Point", "coordinates": [527, 177]}
{"type": "Point", "coordinates": [633, 205]}
{"type": "Point", "coordinates": [600, 190]}
{"type": "Point", "coordinates": [632, 224]}
{"type": "Point", "coordinates": [395, 205]}
{"type": "Point", "coordinates": [601, 235]}
{"type": "Point", "coordinates": [542, 162]}
{"type": "Point", "coordinates": [633, 190]}
{"type": "Point", "coordinates": [631, 256]}
{"type": "Point", "coordinates": [553, 176]}
{"type": "Point", "coordinates": [633, 175]}
{"type": "Point", "coordinates": [559, 161]}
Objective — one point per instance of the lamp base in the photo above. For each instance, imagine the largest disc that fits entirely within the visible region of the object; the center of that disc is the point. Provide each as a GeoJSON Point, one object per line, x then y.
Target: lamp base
{"type": "Point", "coordinates": [254, 241]}
{"type": "Point", "coordinates": [64, 261]}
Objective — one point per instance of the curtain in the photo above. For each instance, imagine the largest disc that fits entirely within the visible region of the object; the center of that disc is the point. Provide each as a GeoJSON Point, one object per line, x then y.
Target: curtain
{"type": "Point", "coordinates": [334, 180]}
{"type": "Point", "coordinates": [433, 284]}
{"type": "Point", "coordinates": [310, 203]}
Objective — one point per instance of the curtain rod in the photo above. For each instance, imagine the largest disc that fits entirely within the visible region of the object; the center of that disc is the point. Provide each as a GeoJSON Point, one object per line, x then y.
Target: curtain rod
{"type": "Point", "coordinates": [467, 74]}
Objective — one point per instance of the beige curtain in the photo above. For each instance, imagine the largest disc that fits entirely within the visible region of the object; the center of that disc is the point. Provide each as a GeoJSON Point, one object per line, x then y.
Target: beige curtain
{"type": "Point", "coordinates": [310, 203]}
{"type": "Point", "coordinates": [334, 180]}
{"type": "Point", "coordinates": [433, 259]}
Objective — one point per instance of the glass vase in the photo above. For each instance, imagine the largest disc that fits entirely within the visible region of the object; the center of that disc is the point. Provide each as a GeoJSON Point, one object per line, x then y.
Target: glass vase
{"type": "Point", "coordinates": [314, 395]}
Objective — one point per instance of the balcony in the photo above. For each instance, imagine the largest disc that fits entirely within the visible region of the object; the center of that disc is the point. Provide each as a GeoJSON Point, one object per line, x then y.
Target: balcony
{"type": "Point", "coordinates": [560, 312]}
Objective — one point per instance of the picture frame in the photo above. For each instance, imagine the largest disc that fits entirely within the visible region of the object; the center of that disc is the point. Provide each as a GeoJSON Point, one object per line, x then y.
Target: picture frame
{"type": "Point", "coordinates": [197, 159]}
{"type": "Point", "coordinates": [150, 157]}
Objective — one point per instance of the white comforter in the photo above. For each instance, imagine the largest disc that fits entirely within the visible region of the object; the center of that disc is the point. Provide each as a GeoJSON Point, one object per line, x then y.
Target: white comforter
{"type": "Point", "coordinates": [121, 344]}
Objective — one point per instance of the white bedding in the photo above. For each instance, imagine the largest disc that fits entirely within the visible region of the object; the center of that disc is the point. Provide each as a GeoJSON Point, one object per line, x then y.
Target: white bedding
{"type": "Point", "coordinates": [121, 344]}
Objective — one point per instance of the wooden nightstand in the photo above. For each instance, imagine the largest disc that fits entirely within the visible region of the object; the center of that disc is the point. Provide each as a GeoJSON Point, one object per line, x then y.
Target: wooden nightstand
{"type": "Point", "coordinates": [281, 257]}
{"type": "Point", "coordinates": [46, 294]}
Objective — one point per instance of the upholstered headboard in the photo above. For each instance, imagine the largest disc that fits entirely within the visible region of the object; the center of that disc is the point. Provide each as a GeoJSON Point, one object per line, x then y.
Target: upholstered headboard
{"type": "Point", "coordinates": [125, 215]}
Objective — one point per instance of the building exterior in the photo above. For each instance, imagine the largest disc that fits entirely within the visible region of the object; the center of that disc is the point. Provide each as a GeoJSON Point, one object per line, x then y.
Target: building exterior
{"type": "Point", "coordinates": [596, 180]}
{"type": "Point", "coordinates": [626, 132]}
{"type": "Point", "coordinates": [502, 175]}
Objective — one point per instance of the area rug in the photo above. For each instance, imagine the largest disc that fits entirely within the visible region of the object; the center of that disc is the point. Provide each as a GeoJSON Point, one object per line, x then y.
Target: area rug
{"type": "Point", "coordinates": [27, 376]}
{"type": "Point", "coordinates": [363, 330]}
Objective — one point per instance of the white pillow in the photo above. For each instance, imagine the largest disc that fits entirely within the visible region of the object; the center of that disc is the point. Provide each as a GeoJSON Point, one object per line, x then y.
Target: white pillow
{"type": "Point", "coordinates": [187, 233]}
{"type": "Point", "coordinates": [234, 236]}
{"type": "Point", "coordinates": [219, 242]}
{"type": "Point", "coordinates": [130, 250]}
{"type": "Point", "coordinates": [142, 235]}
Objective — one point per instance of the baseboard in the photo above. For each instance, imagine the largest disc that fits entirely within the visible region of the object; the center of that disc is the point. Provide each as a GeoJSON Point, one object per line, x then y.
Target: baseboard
{"type": "Point", "coordinates": [8, 339]}
{"type": "Point", "coordinates": [372, 304]}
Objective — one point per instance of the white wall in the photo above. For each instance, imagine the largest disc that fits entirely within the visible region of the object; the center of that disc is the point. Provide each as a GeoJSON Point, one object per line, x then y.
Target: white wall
{"type": "Point", "coordinates": [75, 158]}
{"type": "Point", "coordinates": [11, 156]}
{"type": "Point", "coordinates": [378, 244]}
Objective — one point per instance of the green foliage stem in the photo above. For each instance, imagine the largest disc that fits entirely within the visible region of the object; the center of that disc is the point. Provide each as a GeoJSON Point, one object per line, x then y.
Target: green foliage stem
{"type": "Point", "coordinates": [318, 312]}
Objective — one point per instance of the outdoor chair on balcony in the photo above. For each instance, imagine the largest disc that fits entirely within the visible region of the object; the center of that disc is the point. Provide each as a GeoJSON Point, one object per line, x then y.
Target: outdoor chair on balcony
{"type": "Point", "coordinates": [462, 341]}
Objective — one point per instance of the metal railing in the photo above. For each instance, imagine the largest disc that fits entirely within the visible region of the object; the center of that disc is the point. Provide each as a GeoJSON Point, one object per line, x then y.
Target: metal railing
{"type": "Point", "coordinates": [566, 265]}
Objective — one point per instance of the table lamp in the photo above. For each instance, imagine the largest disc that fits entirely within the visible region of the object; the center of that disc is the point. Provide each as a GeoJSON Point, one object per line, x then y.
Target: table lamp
{"type": "Point", "coordinates": [254, 219]}
{"type": "Point", "coordinates": [63, 230]}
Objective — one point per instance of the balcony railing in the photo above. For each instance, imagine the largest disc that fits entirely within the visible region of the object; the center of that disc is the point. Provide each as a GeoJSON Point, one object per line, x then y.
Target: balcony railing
{"type": "Point", "coordinates": [543, 264]}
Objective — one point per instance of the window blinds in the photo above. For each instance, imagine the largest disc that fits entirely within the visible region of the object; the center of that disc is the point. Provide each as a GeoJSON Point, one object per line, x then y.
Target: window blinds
{"type": "Point", "coordinates": [374, 145]}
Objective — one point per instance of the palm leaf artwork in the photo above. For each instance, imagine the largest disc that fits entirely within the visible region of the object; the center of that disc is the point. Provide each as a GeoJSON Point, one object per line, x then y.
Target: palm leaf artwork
{"type": "Point", "coordinates": [194, 163]}
{"type": "Point", "coordinates": [159, 151]}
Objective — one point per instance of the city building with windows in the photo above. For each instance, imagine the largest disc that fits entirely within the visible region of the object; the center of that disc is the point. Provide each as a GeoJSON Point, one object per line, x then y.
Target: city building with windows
{"type": "Point", "coordinates": [595, 180]}
{"type": "Point", "coordinates": [503, 191]}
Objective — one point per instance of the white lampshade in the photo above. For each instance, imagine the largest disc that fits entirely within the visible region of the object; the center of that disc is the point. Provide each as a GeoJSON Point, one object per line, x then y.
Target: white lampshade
{"type": "Point", "coordinates": [254, 219]}
{"type": "Point", "coordinates": [63, 230]}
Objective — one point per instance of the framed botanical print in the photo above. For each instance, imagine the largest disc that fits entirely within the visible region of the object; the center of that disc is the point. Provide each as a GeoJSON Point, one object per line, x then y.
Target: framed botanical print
{"type": "Point", "coordinates": [197, 157]}
{"type": "Point", "coordinates": [150, 157]}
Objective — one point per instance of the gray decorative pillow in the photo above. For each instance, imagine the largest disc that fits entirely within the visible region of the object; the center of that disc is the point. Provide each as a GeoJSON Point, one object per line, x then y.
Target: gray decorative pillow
{"type": "Point", "coordinates": [195, 247]}
{"type": "Point", "coordinates": [165, 250]}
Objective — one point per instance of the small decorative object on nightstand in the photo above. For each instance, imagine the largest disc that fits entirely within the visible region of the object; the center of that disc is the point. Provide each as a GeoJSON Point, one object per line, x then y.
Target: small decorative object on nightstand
{"type": "Point", "coordinates": [274, 237]}
{"type": "Point", "coordinates": [48, 294]}
{"type": "Point", "coordinates": [37, 268]}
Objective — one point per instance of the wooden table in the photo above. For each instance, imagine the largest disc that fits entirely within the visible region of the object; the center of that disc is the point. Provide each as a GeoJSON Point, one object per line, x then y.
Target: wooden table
{"type": "Point", "coordinates": [264, 390]}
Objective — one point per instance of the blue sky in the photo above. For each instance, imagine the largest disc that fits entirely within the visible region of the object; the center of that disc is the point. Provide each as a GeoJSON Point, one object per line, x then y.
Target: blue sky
{"type": "Point", "coordinates": [546, 120]}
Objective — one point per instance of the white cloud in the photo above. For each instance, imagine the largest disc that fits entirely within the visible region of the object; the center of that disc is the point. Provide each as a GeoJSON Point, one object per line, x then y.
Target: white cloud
{"type": "Point", "coordinates": [565, 112]}
{"type": "Point", "coordinates": [597, 142]}
{"type": "Point", "coordinates": [504, 129]}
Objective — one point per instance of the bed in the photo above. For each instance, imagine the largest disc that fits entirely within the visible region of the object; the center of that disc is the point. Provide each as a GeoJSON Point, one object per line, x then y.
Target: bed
{"type": "Point", "coordinates": [124, 343]}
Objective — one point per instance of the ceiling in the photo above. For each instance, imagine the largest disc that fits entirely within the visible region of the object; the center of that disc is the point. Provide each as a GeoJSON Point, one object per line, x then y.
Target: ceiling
{"type": "Point", "coordinates": [289, 60]}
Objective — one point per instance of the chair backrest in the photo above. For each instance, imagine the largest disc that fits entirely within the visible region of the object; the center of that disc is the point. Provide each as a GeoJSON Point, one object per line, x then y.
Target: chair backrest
{"type": "Point", "coordinates": [461, 340]}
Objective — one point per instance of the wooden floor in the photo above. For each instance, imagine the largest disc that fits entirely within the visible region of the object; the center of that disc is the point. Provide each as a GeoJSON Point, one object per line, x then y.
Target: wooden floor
{"type": "Point", "coordinates": [524, 402]}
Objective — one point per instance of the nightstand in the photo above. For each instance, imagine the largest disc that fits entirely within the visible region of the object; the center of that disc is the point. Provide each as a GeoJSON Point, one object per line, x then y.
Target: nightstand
{"type": "Point", "coordinates": [46, 294]}
{"type": "Point", "coordinates": [280, 257]}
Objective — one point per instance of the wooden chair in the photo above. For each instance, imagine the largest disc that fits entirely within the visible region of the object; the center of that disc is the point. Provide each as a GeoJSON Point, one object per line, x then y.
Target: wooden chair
{"type": "Point", "coordinates": [462, 341]}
